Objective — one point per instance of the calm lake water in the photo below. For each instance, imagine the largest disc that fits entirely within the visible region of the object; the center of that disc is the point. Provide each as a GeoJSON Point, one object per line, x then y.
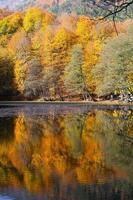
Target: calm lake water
{"type": "Point", "coordinates": [66, 152]}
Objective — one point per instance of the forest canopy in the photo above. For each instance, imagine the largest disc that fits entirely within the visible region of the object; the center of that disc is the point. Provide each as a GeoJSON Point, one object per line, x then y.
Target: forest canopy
{"type": "Point", "coordinates": [44, 55]}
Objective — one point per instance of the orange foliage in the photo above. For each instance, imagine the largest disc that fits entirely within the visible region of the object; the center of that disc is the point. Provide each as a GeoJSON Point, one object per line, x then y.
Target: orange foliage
{"type": "Point", "coordinates": [51, 151]}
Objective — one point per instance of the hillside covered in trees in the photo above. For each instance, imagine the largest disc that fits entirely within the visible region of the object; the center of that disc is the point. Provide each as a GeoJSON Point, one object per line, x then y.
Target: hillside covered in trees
{"type": "Point", "coordinates": [63, 56]}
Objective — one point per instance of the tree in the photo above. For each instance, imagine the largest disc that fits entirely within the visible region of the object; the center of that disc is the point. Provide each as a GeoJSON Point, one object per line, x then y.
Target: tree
{"type": "Point", "coordinates": [69, 22]}
{"type": "Point", "coordinates": [91, 54]}
{"type": "Point", "coordinates": [38, 40]}
{"type": "Point", "coordinates": [84, 30]}
{"type": "Point", "coordinates": [73, 76]}
{"type": "Point", "coordinates": [88, 37]}
{"type": "Point", "coordinates": [48, 19]}
{"type": "Point", "coordinates": [4, 39]}
{"type": "Point", "coordinates": [19, 48]}
{"type": "Point", "coordinates": [114, 72]}
{"type": "Point", "coordinates": [7, 86]}
{"type": "Point", "coordinates": [20, 68]}
{"type": "Point", "coordinates": [10, 24]}
{"type": "Point", "coordinates": [33, 84]}
{"type": "Point", "coordinates": [63, 41]}
{"type": "Point", "coordinates": [46, 53]}
{"type": "Point", "coordinates": [55, 55]}
{"type": "Point", "coordinates": [33, 19]}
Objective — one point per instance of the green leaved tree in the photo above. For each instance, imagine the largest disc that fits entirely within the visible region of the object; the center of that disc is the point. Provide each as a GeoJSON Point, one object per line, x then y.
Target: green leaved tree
{"type": "Point", "coordinates": [114, 73]}
{"type": "Point", "coordinates": [73, 75]}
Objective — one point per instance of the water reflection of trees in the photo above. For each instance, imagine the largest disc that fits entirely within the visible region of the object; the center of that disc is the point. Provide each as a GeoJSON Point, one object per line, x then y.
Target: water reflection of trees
{"type": "Point", "coordinates": [84, 148]}
{"type": "Point", "coordinates": [6, 129]}
{"type": "Point", "coordinates": [115, 132]}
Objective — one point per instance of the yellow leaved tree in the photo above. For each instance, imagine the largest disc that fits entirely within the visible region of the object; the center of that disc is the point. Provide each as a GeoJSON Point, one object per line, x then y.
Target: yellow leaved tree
{"type": "Point", "coordinates": [88, 37]}
{"type": "Point", "coordinates": [55, 55]}
{"type": "Point", "coordinates": [33, 19]}
{"type": "Point", "coordinates": [19, 48]}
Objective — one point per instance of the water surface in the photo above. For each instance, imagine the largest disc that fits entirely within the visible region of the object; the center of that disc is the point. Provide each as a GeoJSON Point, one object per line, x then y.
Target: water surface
{"type": "Point", "coordinates": [66, 152]}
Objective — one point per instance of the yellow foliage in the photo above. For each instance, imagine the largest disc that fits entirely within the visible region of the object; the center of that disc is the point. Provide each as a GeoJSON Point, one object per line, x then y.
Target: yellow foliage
{"type": "Point", "coordinates": [20, 130]}
{"type": "Point", "coordinates": [55, 56]}
{"type": "Point", "coordinates": [20, 73]}
{"type": "Point", "coordinates": [51, 157]}
{"type": "Point", "coordinates": [51, 152]}
{"type": "Point", "coordinates": [68, 22]}
{"type": "Point", "coordinates": [106, 30]}
{"type": "Point", "coordinates": [37, 40]}
{"type": "Point", "coordinates": [46, 50]}
{"type": "Point", "coordinates": [11, 23]}
{"type": "Point", "coordinates": [4, 40]}
{"type": "Point", "coordinates": [64, 39]}
{"type": "Point", "coordinates": [92, 54]}
{"type": "Point", "coordinates": [36, 19]}
{"type": "Point", "coordinates": [19, 44]}
{"type": "Point", "coordinates": [87, 32]}
{"type": "Point", "coordinates": [84, 30]}
{"type": "Point", "coordinates": [33, 19]}
{"type": "Point", "coordinates": [15, 20]}
{"type": "Point", "coordinates": [48, 19]}
{"type": "Point", "coordinates": [62, 43]}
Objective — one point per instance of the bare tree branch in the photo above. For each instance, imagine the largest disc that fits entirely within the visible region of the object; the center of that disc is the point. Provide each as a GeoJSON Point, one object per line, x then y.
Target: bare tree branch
{"type": "Point", "coordinates": [119, 8]}
{"type": "Point", "coordinates": [111, 8]}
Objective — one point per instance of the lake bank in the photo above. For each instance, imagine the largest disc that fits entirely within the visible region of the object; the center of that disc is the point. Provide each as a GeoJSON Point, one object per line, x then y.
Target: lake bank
{"type": "Point", "coordinates": [102, 103]}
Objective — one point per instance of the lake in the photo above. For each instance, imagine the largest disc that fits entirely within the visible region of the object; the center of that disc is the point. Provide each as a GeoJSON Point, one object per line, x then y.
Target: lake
{"type": "Point", "coordinates": [66, 152]}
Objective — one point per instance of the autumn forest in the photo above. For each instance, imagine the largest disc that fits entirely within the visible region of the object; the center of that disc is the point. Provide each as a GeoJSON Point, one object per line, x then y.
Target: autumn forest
{"type": "Point", "coordinates": [63, 57]}
{"type": "Point", "coordinates": [66, 99]}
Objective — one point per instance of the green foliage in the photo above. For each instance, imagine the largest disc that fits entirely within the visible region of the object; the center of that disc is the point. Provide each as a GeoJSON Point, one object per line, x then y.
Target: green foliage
{"type": "Point", "coordinates": [74, 78]}
{"type": "Point", "coordinates": [55, 9]}
{"type": "Point", "coordinates": [79, 7]}
{"type": "Point", "coordinates": [74, 126]}
{"type": "Point", "coordinates": [114, 73]}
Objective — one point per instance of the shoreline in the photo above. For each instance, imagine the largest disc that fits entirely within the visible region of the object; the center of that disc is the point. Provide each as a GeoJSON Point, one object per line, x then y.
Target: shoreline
{"type": "Point", "coordinates": [98, 103]}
